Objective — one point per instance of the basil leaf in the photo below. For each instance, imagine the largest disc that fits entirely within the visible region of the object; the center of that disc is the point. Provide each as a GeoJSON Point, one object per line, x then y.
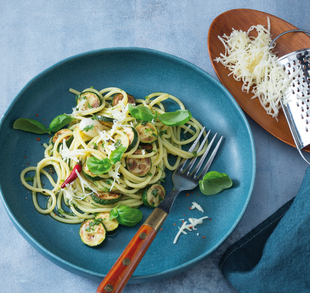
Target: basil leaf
{"type": "Point", "coordinates": [30, 125]}
{"type": "Point", "coordinates": [140, 112]}
{"type": "Point", "coordinates": [214, 182]}
{"type": "Point", "coordinates": [126, 215]}
{"type": "Point", "coordinates": [97, 166]}
{"type": "Point", "coordinates": [176, 118]}
{"type": "Point", "coordinates": [59, 122]}
{"type": "Point", "coordinates": [113, 213]}
{"type": "Point", "coordinates": [116, 155]}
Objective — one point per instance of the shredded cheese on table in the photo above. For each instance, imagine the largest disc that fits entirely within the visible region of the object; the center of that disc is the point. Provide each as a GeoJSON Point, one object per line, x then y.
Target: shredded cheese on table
{"type": "Point", "coordinates": [252, 61]}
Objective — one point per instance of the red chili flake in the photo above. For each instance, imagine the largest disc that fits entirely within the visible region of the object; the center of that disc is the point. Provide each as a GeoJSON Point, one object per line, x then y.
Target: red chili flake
{"type": "Point", "coordinates": [174, 224]}
{"type": "Point", "coordinates": [44, 119]}
{"type": "Point", "coordinates": [37, 115]}
{"type": "Point", "coordinates": [203, 237]}
{"type": "Point", "coordinates": [38, 139]}
{"type": "Point", "coordinates": [187, 194]}
{"type": "Point", "coordinates": [161, 229]}
{"type": "Point", "coordinates": [210, 219]}
{"type": "Point", "coordinates": [190, 208]}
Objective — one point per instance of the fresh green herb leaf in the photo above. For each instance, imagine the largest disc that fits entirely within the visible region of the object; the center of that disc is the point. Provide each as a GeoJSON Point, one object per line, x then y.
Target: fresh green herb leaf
{"type": "Point", "coordinates": [30, 125]}
{"type": "Point", "coordinates": [97, 166]}
{"type": "Point", "coordinates": [126, 215]}
{"type": "Point", "coordinates": [88, 127]}
{"type": "Point", "coordinates": [118, 143]}
{"type": "Point", "coordinates": [59, 122]}
{"type": "Point", "coordinates": [29, 179]}
{"type": "Point", "coordinates": [176, 118]}
{"type": "Point", "coordinates": [116, 155]}
{"type": "Point", "coordinates": [162, 132]}
{"type": "Point", "coordinates": [140, 112]}
{"type": "Point", "coordinates": [214, 182]}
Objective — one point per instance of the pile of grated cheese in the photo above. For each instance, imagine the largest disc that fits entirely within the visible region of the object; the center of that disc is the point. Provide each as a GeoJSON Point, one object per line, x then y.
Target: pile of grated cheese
{"type": "Point", "coordinates": [252, 61]}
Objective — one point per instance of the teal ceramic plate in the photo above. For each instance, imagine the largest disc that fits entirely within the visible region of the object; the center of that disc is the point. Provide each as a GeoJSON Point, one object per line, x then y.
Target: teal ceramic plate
{"type": "Point", "coordinates": [139, 72]}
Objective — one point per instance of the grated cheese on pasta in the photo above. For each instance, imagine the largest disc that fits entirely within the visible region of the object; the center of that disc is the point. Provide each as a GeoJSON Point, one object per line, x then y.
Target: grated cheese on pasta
{"type": "Point", "coordinates": [252, 61]}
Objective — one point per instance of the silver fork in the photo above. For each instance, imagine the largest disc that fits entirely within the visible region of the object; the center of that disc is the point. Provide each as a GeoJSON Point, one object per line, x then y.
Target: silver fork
{"type": "Point", "coordinates": [185, 177]}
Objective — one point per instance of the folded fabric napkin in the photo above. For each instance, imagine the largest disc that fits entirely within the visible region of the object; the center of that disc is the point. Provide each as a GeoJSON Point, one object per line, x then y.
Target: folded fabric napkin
{"type": "Point", "coordinates": [275, 256]}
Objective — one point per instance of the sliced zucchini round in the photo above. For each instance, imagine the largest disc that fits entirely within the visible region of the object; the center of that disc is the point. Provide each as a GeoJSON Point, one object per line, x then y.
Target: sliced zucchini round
{"type": "Point", "coordinates": [106, 198]}
{"type": "Point", "coordinates": [121, 139]}
{"type": "Point", "coordinates": [133, 136]}
{"type": "Point", "coordinates": [88, 174]}
{"type": "Point", "coordinates": [110, 225]}
{"type": "Point", "coordinates": [138, 166]}
{"type": "Point", "coordinates": [61, 132]}
{"type": "Point", "coordinates": [105, 120]}
{"type": "Point", "coordinates": [118, 97]}
{"type": "Point", "coordinates": [147, 132]}
{"type": "Point", "coordinates": [87, 100]}
{"type": "Point", "coordinates": [92, 232]}
{"type": "Point", "coordinates": [68, 138]}
{"type": "Point", "coordinates": [146, 146]}
{"type": "Point", "coordinates": [153, 195]}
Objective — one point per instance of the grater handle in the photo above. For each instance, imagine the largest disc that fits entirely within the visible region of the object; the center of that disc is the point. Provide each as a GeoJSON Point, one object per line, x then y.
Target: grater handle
{"type": "Point", "coordinates": [289, 31]}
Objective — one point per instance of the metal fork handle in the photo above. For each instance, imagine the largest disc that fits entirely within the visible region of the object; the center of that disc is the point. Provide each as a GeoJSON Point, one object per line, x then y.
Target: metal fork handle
{"type": "Point", "coordinates": [122, 270]}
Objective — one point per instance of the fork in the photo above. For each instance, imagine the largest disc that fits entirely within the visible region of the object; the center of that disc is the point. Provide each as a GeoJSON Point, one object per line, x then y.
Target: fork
{"type": "Point", "coordinates": [185, 177]}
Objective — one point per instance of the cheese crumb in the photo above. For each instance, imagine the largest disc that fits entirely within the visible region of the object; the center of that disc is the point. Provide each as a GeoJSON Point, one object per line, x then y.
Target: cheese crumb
{"type": "Point", "coordinates": [195, 205]}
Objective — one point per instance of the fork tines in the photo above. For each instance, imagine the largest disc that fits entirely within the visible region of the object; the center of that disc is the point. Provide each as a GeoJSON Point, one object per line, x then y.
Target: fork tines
{"type": "Point", "coordinates": [193, 172]}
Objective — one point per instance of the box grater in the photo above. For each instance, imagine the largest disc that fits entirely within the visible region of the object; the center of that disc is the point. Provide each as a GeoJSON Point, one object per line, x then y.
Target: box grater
{"type": "Point", "coordinates": [297, 109]}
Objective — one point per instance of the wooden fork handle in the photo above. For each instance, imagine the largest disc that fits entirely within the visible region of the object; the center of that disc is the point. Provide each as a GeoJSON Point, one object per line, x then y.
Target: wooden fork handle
{"type": "Point", "coordinates": [122, 270]}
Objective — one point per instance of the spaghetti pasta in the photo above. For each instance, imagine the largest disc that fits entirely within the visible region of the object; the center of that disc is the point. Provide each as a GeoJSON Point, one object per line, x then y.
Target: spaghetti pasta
{"type": "Point", "coordinates": [99, 138]}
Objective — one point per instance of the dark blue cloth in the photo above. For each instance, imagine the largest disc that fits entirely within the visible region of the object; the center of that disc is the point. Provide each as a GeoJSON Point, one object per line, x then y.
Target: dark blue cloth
{"type": "Point", "coordinates": [275, 256]}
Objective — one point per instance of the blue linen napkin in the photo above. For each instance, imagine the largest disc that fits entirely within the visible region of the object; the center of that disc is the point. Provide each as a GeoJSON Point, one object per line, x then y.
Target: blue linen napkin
{"type": "Point", "coordinates": [275, 256]}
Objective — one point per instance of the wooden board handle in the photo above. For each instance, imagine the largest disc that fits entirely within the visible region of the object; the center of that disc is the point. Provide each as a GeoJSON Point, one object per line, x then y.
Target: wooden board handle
{"type": "Point", "coordinates": [122, 270]}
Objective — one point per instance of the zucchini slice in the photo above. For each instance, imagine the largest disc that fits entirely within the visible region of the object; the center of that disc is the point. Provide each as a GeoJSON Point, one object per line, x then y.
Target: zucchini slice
{"type": "Point", "coordinates": [88, 174]}
{"type": "Point", "coordinates": [92, 232]}
{"type": "Point", "coordinates": [138, 166]}
{"type": "Point", "coordinates": [110, 225]}
{"type": "Point", "coordinates": [87, 100]}
{"type": "Point", "coordinates": [105, 120]}
{"type": "Point", "coordinates": [68, 138]}
{"type": "Point", "coordinates": [118, 97]}
{"type": "Point", "coordinates": [133, 136]}
{"type": "Point", "coordinates": [121, 139]}
{"type": "Point", "coordinates": [147, 132]}
{"type": "Point", "coordinates": [106, 198]}
{"type": "Point", "coordinates": [61, 132]}
{"type": "Point", "coordinates": [153, 195]}
{"type": "Point", "coordinates": [148, 147]}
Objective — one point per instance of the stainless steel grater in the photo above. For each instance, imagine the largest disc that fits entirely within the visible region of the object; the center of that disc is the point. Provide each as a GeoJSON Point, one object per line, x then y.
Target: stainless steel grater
{"type": "Point", "coordinates": [297, 110]}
